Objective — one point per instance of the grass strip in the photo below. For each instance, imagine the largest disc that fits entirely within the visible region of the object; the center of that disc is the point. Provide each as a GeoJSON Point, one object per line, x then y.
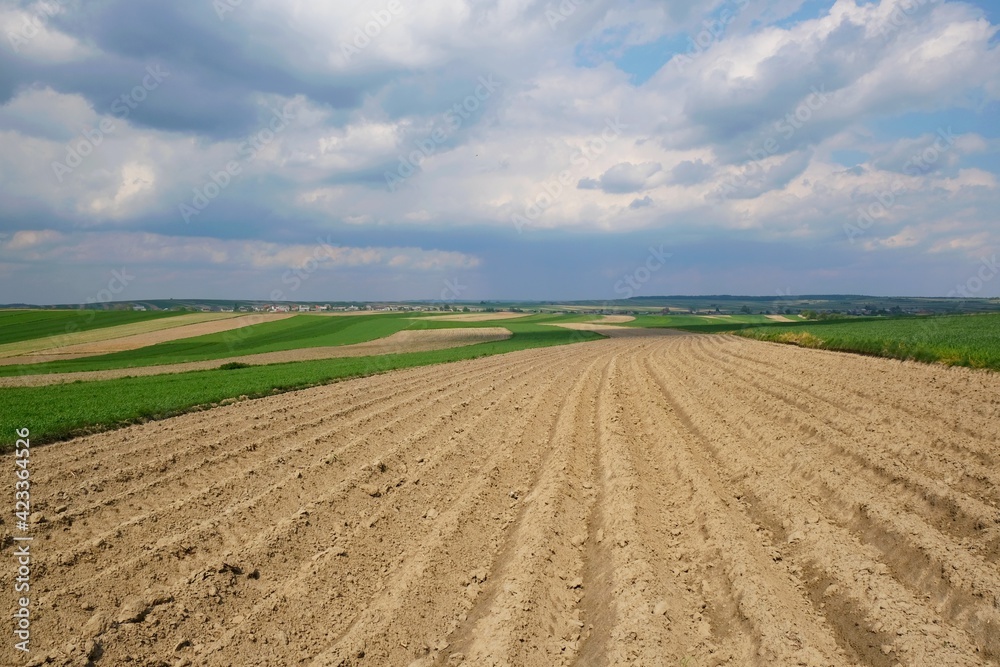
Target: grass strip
{"type": "Point", "coordinates": [956, 340]}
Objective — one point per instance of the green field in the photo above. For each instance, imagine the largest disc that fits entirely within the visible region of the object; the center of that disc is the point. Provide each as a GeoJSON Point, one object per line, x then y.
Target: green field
{"type": "Point", "coordinates": [59, 411]}
{"type": "Point", "coordinates": [21, 325]}
{"type": "Point", "coordinates": [288, 334]}
{"type": "Point", "coordinates": [301, 331]}
{"type": "Point", "coordinates": [958, 340]}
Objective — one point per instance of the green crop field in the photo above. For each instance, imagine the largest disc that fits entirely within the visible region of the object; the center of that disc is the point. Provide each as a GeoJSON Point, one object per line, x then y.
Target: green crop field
{"type": "Point", "coordinates": [58, 411]}
{"type": "Point", "coordinates": [21, 325]}
{"type": "Point", "coordinates": [301, 331]}
{"type": "Point", "coordinates": [289, 334]}
{"type": "Point", "coordinates": [958, 340]}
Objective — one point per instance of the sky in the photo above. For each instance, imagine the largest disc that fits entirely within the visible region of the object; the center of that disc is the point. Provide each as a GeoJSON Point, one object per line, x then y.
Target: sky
{"type": "Point", "coordinates": [497, 149]}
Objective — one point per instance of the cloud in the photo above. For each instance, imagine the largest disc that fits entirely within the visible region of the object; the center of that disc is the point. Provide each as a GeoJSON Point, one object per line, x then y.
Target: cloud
{"type": "Point", "coordinates": [49, 246]}
{"type": "Point", "coordinates": [690, 172]}
{"type": "Point", "coordinates": [626, 177]}
{"type": "Point", "coordinates": [742, 88]}
{"type": "Point", "coordinates": [738, 142]}
{"type": "Point", "coordinates": [929, 152]}
{"type": "Point", "coordinates": [31, 32]}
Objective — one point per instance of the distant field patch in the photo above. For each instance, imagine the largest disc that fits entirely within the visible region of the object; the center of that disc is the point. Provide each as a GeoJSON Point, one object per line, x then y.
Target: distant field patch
{"type": "Point", "coordinates": [956, 340]}
{"type": "Point", "coordinates": [474, 317]}
{"type": "Point", "coordinates": [615, 331]}
{"type": "Point", "coordinates": [73, 337]}
{"type": "Point", "coordinates": [401, 342]}
{"type": "Point", "coordinates": [25, 325]}
{"type": "Point", "coordinates": [293, 332]}
{"type": "Point", "coordinates": [135, 336]}
{"type": "Point", "coordinates": [698, 323]}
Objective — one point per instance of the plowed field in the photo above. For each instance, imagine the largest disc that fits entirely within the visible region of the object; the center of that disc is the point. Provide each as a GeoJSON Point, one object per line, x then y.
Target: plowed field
{"type": "Point", "coordinates": [671, 500]}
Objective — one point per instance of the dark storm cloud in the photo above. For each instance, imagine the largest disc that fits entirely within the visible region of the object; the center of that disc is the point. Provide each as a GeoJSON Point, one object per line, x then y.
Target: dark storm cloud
{"type": "Point", "coordinates": [216, 70]}
{"type": "Point", "coordinates": [690, 173]}
{"type": "Point", "coordinates": [622, 178]}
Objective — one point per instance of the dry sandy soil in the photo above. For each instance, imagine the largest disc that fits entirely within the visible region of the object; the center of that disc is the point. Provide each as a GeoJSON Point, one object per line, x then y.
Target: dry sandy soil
{"type": "Point", "coordinates": [779, 318]}
{"type": "Point", "coordinates": [126, 340]}
{"type": "Point", "coordinates": [672, 500]}
{"type": "Point", "coordinates": [474, 317]}
{"type": "Point", "coordinates": [612, 331]}
{"type": "Point", "coordinates": [397, 343]}
{"type": "Point", "coordinates": [616, 319]}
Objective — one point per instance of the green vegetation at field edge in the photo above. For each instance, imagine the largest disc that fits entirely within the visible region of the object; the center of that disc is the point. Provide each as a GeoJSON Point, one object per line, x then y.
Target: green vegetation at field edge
{"type": "Point", "coordinates": [21, 325]}
{"type": "Point", "coordinates": [60, 411]}
{"type": "Point", "coordinates": [956, 340]}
